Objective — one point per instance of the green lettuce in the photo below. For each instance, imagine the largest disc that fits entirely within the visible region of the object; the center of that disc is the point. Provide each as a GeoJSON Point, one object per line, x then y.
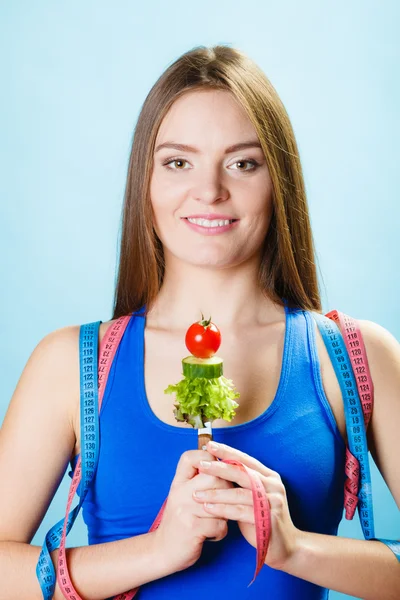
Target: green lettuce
{"type": "Point", "coordinates": [200, 400]}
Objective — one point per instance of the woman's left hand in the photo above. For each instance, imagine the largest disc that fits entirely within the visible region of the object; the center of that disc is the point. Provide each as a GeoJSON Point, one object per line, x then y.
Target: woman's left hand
{"type": "Point", "coordinates": [236, 503]}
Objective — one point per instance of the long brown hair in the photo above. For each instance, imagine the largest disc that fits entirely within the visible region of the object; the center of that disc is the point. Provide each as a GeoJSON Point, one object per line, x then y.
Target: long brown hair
{"type": "Point", "coordinates": [287, 269]}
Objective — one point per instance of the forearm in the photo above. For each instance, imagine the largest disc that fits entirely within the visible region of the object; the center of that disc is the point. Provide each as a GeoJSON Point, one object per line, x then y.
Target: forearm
{"type": "Point", "coordinates": [97, 572]}
{"type": "Point", "coordinates": [362, 568]}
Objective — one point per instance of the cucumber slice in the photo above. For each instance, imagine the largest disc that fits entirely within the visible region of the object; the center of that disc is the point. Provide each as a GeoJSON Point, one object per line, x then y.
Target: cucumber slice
{"type": "Point", "coordinates": [210, 368]}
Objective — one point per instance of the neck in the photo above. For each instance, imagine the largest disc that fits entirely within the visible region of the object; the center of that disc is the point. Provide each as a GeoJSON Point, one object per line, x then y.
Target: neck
{"type": "Point", "coordinates": [231, 296]}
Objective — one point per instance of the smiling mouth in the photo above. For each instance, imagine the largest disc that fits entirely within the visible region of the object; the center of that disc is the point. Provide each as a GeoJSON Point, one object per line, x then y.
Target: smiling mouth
{"type": "Point", "coordinates": [210, 223]}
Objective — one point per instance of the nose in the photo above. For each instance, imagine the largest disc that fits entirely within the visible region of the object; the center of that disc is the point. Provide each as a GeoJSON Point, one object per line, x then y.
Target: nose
{"type": "Point", "coordinates": [210, 189]}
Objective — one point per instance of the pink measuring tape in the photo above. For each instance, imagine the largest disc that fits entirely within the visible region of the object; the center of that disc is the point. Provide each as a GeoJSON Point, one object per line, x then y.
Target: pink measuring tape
{"type": "Point", "coordinates": [262, 517]}
{"type": "Point", "coordinates": [356, 350]}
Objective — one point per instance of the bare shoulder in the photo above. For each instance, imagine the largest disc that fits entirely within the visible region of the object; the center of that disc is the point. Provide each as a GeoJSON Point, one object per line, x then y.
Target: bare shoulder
{"type": "Point", "coordinates": [38, 432]}
{"type": "Point", "coordinates": [61, 348]}
{"type": "Point", "coordinates": [36, 436]}
{"type": "Point", "coordinates": [383, 355]}
{"type": "Point", "coordinates": [383, 352]}
{"type": "Point", "coordinates": [377, 337]}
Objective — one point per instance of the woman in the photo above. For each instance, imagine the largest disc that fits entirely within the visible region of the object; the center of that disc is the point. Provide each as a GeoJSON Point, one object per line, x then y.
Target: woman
{"type": "Point", "coordinates": [213, 142]}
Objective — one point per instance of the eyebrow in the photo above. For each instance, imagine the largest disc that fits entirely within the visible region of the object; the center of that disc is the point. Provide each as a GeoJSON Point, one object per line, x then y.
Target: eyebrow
{"type": "Point", "coordinates": [186, 148]}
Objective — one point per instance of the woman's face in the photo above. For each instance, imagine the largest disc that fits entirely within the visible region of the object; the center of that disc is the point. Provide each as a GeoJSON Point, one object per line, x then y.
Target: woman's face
{"type": "Point", "coordinates": [210, 179]}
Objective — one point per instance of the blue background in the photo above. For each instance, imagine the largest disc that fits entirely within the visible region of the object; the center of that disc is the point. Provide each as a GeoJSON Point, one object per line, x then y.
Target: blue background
{"type": "Point", "coordinates": [75, 75]}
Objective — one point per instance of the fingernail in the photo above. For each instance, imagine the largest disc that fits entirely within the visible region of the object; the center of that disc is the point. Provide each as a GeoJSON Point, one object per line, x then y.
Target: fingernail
{"type": "Point", "coordinates": [206, 464]}
{"type": "Point", "coordinates": [208, 505]}
{"type": "Point", "coordinates": [213, 445]}
{"type": "Point", "coordinates": [199, 494]}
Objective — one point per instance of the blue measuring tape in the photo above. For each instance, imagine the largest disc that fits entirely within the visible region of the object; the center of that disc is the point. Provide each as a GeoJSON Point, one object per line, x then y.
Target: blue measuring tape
{"type": "Point", "coordinates": [356, 434]}
{"type": "Point", "coordinates": [89, 417]}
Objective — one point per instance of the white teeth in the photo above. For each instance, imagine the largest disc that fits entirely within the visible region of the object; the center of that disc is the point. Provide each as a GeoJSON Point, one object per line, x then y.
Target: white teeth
{"type": "Point", "coordinates": [207, 223]}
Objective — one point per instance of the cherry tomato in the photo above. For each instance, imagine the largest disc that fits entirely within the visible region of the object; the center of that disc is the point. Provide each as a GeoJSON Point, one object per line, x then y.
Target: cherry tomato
{"type": "Point", "coordinates": [203, 338]}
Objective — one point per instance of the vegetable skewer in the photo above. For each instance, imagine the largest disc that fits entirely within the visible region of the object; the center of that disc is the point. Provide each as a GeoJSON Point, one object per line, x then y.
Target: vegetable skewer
{"type": "Point", "coordinates": [204, 394]}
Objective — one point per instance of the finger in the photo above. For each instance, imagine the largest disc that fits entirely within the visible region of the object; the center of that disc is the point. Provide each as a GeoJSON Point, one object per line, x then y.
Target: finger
{"type": "Point", "coordinates": [224, 496]}
{"type": "Point", "coordinates": [204, 481]}
{"type": "Point", "coordinates": [187, 464]}
{"type": "Point", "coordinates": [240, 476]}
{"type": "Point", "coordinates": [229, 472]}
{"type": "Point", "coordinates": [198, 510]}
{"type": "Point", "coordinates": [214, 529]}
{"type": "Point", "coordinates": [224, 451]}
{"type": "Point", "coordinates": [234, 512]}
{"type": "Point", "coordinates": [276, 500]}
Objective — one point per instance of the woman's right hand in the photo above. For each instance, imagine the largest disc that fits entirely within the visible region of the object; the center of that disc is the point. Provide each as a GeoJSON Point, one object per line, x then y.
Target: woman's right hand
{"type": "Point", "coordinates": [185, 525]}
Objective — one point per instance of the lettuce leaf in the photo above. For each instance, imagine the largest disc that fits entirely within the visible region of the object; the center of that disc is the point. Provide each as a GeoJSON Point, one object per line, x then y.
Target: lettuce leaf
{"type": "Point", "coordinates": [200, 400]}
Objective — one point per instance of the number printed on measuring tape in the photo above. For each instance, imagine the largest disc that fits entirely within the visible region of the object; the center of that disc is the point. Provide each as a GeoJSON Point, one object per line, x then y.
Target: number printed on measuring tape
{"type": "Point", "coordinates": [353, 415]}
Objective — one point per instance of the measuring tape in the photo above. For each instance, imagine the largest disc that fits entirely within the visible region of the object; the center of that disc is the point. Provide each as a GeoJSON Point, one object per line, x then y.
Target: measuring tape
{"type": "Point", "coordinates": [91, 398]}
{"type": "Point", "coordinates": [93, 378]}
{"type": "Point", "coordinates": [358, 491]}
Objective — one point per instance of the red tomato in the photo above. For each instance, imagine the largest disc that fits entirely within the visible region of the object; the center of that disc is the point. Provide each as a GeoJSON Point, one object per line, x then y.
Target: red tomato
{"type": "Point", "coordinates": [203, 338]}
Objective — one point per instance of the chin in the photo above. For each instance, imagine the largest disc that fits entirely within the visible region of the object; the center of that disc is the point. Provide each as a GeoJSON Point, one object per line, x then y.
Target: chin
{"type": "Point", "coordinates": [202, 256]}
{"type": "Point", "coordinates": [209, 261]}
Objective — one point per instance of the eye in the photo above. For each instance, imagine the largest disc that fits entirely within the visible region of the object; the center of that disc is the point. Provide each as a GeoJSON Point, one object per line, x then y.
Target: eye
{"type": "Point", "coordinates": [254, 164]}
{"type": "Point", "coordinates": [174, 160]}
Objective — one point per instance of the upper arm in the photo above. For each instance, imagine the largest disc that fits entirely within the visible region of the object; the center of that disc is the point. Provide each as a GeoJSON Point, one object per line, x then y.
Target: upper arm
{"type": "Point", "coordinates": [37, 435]}
{"type": "Point", "coordinates": [383, 434]}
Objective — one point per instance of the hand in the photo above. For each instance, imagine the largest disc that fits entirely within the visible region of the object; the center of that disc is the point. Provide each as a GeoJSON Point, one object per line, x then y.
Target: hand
{"type": "Point", "coordinates": [185, 525]}
{"type": "Point", "coordinates": [236, 503]}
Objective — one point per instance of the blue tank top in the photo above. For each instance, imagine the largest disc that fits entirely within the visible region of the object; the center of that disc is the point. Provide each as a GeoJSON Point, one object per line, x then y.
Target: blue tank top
{"type": "Point", "coordinates": [296, 435]}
